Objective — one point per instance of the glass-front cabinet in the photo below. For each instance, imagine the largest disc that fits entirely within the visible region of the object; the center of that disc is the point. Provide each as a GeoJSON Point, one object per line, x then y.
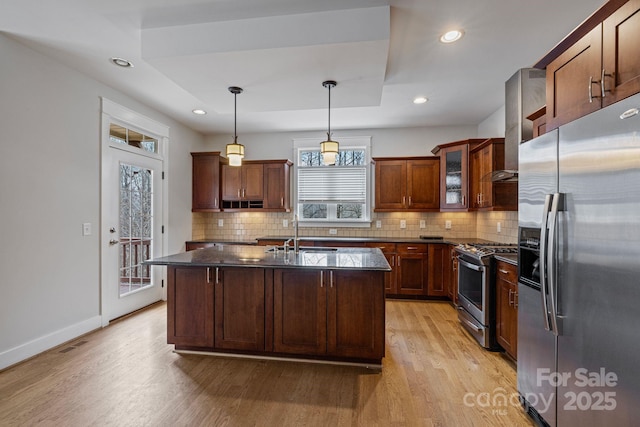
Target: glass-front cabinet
{"type": "Point", "coordinates": [454, 174]}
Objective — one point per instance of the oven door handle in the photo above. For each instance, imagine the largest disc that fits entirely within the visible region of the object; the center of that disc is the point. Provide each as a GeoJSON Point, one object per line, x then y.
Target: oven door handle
{"type": "Point", "coordinates": [469, 265]}
{"type": "Point", "coordinates": [468, 323]}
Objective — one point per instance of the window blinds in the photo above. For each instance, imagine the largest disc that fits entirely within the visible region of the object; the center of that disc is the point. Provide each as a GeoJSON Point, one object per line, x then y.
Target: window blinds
{"type": "Point", "coordinates": [332, 184]}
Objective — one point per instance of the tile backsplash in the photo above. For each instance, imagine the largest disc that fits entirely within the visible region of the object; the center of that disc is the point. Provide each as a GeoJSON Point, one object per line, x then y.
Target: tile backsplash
{"type": "Point", "coordinates": [246, 226]}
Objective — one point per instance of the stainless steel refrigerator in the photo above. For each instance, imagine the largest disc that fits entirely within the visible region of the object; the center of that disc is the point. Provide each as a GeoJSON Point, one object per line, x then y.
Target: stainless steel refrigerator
{"type": "Point", "coordinates": [579, 271]}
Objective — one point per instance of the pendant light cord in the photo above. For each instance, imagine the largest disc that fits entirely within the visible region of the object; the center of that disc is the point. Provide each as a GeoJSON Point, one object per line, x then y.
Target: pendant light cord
{"type": "Point", "coordinates": [329, 114]}
{"type": "Point", "coordinates": [235, 118]}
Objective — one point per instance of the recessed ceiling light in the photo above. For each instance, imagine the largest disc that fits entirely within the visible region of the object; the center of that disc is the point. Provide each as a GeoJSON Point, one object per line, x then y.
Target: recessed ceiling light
{"type": "Point", "coordinates": [121, 62]}
{"type": "Point", "coordinates": [451, 36]}
{"type": "Point", "coordinates": [199, 112]}
{"type": "Point", "coordinates": [419, 100]}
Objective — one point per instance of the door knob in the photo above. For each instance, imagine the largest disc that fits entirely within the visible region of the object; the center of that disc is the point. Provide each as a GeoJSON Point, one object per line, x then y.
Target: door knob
{"type": "Point", "coordinates": [113, 242]}
{"type": "Point", "coordinates": [112, 230]}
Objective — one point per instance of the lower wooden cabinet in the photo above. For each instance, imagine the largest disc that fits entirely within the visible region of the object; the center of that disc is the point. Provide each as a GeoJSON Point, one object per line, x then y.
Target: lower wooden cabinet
{"type": "Point", "coordinates": [329, 312]}
{"type": "Point", "coordinates": [323, 313]}
{"type": "Point", "coordinates": [507, 307]}
{"type": "Point", "coordinates": [221, 308]}
{"type": "Point", "coordinates": [239, 309]}
{"type": "Point", "coordinates": [439, 271]}
{"type": "Point", "coordinates": [412, 269]}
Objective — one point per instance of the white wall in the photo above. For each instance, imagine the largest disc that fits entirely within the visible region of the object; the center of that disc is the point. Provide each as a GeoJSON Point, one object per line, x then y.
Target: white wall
{"type": "Point", "coordinates": [384, 142]}
{"type": "Point", "coordinates": [493, 126]}
{"type": "Point", "coordinates": [49, 186]}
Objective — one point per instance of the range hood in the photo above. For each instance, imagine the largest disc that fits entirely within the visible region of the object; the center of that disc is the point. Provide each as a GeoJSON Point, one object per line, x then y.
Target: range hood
{"type": "Point", "coordinates": [524, 94]}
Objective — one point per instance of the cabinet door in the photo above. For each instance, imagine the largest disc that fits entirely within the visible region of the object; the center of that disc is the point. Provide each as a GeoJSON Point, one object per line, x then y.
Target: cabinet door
{"type": "Point", "coordinates": [299, 311]}
{"type": "Point", "coordinates": [475, 167]}
{"type": "Point", "coordinates": [252, 182]}
{"type": "Point", "coordinates": [355, 318]}
{"type": "Point", "coordinates": [503, 315]}
{"type": "Point", "coordinates": [389, 252]}
{"type": "Point", "coordinates": [439, 265]}
{"type": "Point", "coordinates": [189, 307]}
{"type": "Point", "coordinates": [239, 309]}
{"type": "Point", "coordinates": [423, 184]}
{"type": "Point", "coordinates": [412, 269]}
{"type": "Point", "coordinates": [231, 182]}
{"type": "Point", "coordinates": [205, 182]}
{"type": "Point", "coordinates": [276, 186]}
{"type": "Point", "coordinates": [391, 184]}
{"type": "Point", "coordinates": [620, 48]}
{"type": "Point", "coordinates": [568, 81]}
{"type": "Point", "coordinates": [453, 176]}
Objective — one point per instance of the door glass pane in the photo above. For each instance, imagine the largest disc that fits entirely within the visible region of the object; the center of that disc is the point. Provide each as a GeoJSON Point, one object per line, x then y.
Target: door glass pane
{"type": "Point", "coordinates": [122, 135]}
{"type": "Point", "coordinates": [136, 195]}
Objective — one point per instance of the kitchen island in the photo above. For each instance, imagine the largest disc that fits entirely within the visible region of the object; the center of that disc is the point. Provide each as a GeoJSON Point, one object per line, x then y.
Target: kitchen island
{"type": "Point", "coordinates": [319, 304]}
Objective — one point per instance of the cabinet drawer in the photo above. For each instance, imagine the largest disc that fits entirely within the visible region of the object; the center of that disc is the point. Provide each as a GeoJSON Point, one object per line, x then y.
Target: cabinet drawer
{"type": "Point", "coordinates": [384, 247]}
{"type": "Point", "coordinates": [507, 272]}
{"type": "Point", "coordinates": [419, 248]}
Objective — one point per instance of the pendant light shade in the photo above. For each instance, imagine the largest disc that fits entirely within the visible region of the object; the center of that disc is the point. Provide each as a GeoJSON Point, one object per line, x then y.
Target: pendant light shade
{"type": "Point", "coordinates": [235, 151]}
{"type": "Point", "coordinates": [329, 148]}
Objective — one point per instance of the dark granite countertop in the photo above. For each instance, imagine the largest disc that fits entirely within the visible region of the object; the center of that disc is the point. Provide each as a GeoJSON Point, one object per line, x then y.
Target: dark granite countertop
{"type": "Point", "coordinates": [259, 256]}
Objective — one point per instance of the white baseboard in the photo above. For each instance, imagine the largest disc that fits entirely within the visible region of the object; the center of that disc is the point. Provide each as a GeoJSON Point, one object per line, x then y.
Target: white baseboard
{"type": "Point", "coordinates": [29, 349]}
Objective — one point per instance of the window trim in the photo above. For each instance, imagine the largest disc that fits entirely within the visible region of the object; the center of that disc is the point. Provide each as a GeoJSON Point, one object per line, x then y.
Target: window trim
{"type": "Point", "coordinates": [301, 144]}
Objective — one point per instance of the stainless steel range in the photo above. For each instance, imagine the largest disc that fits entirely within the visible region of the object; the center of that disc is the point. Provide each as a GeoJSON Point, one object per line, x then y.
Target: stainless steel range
{"type": "Point", "coordinates": [476, 289]}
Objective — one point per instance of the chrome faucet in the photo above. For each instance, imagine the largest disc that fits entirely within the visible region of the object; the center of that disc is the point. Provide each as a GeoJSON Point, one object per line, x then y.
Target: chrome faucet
{"type": "Point", "coordinates": [296, 243]}
{"type": "Point", "coordinates": [286, 246]}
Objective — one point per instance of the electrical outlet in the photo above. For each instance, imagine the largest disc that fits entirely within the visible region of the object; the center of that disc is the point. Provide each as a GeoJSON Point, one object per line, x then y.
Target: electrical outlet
{"type": "Point", "coordinates": [285, 223]}
{"type": "Point", "coordinates": [221, 222]}
{"type": "Point", "coordinates": [423, 223]}
{"type": "Point", "coordinates": [378, 224]}
{"type": "Point", "coordinates": [403, 223]}
{"type": "Point", "coordinates": [499, 227]}
{"type": "Point", "coordinates": [447, 225]}
{"type": "Point", "coordinates": [333, 231]}
{"type": "Point", "coordinates": [86, 229]}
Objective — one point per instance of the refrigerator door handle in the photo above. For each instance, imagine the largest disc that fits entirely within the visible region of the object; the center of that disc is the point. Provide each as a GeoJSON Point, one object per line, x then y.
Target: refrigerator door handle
{"type": "Point", "coordinates": [543, 261]}
{"type": "Point", "coordinates": [557, 205]}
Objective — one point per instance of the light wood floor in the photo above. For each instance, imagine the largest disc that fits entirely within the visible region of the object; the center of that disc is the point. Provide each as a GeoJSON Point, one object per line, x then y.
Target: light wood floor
{"type": "Point", "coordinates": [126, 375]}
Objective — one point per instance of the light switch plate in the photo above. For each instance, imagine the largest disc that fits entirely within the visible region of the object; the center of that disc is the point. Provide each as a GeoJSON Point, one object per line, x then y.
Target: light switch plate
{"type": "Point", "coordinates": [378, 224]}
{"type": "Point", "coordinates": [285, 223]}
{"type": "Point", "coordinates": [447, 225]}
{"type": "Point", "coordinates": [333, 231]}
{"type": "Point", "coordinates": [86, 229]}
{"type": "Point", "coordinates": [499, 227]}
{"type": "Point", "coordinates": [403, 223]}
{"type": "Point", "coordinates": [221, 223]}
{"type": "Point", "coordinates": [423, 223]}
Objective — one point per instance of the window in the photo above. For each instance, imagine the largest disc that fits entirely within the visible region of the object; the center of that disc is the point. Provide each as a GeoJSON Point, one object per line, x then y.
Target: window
{"type": "Point", "coordinates": [333, 195]}
{"type": "Point", "coordinates": [122, 135]}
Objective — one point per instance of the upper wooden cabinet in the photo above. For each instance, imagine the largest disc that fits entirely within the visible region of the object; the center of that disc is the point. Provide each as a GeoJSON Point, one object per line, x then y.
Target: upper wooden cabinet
{"type": "Point", "coordinates": [244, 182]}
{"type": "Point", "coordinates": [485, 194]}
{"type": "Point", "coordinates": [263, 184]}
{"type": "Point", "coordinates": [454, 174]}
{"type": "Point", "coordinates": [600, 68]}
{"type": "Point", "coordinates": [407, 184]}
{"type": "Point", "coordinates": [277, 185]}
{"type": "Point", "coordinates": [206, 181]}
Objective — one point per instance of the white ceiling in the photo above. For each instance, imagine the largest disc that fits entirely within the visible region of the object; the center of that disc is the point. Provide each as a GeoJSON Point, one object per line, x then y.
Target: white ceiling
{"type": "Point", "coordinates": [382, 53]}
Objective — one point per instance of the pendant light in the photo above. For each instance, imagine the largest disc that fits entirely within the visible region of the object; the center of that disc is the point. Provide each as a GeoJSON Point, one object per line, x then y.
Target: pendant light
{"type": "Point", "coordinates": [329, 148]}
{"type": "Point", "coordinates": [235, 151]}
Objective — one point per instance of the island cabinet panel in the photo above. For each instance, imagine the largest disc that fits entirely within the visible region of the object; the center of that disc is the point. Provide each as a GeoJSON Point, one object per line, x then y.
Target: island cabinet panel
{"type": "Point", "coordinates": [189, 306]}
{"type": "Point", "coordinates": [299, 312]}
{"type": "Point", "coordinates": [335, 313]}
{"type": "Point", "coordinates": [355, 319]}
{"type": "Point", "coordinates": [240, 309]}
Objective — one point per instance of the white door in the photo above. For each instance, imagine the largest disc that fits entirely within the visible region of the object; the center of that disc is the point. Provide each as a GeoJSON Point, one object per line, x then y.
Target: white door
{"type": "Point", "coordinates": [131, 231]}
